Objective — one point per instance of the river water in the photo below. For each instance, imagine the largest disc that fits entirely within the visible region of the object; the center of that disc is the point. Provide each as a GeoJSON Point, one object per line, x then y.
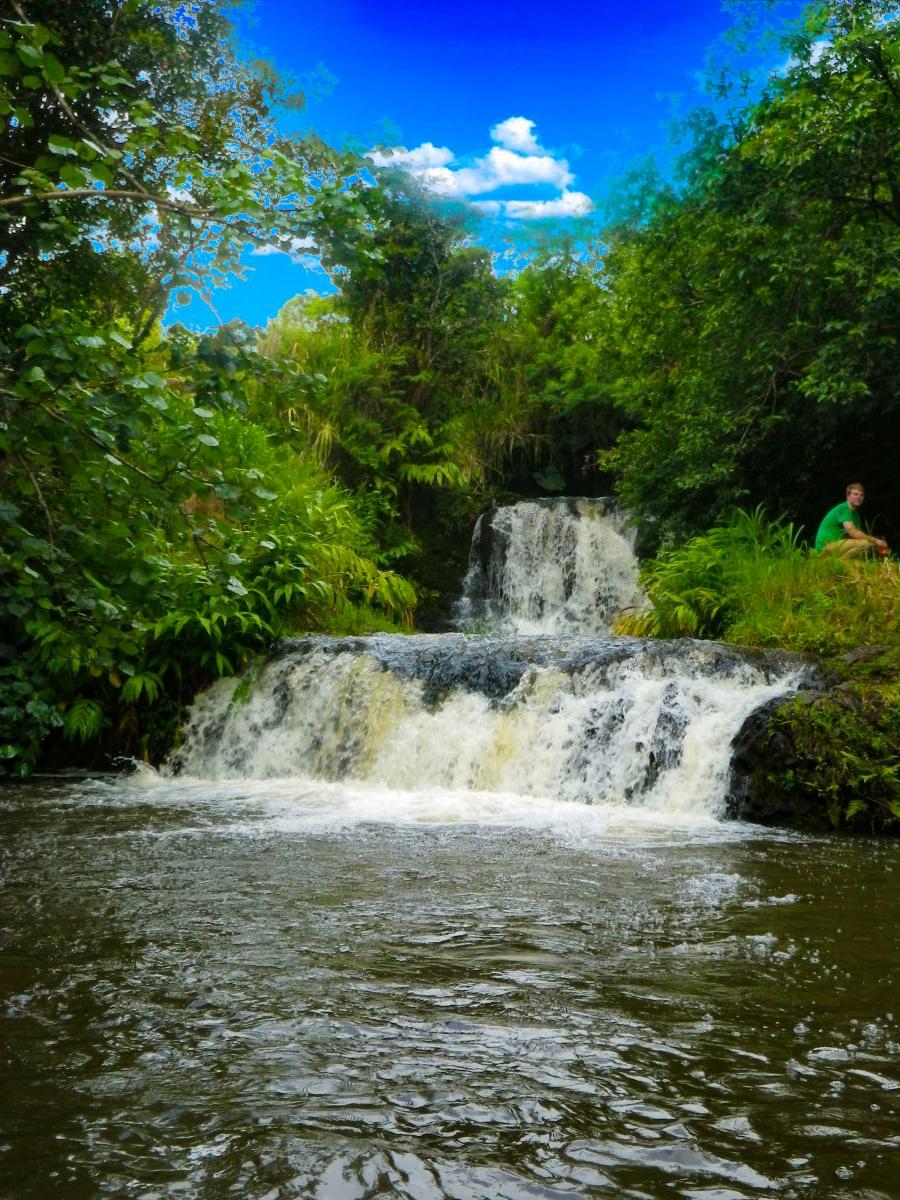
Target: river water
{"type": "Point", "coordinates": [297, 988]}
{"type": "Point", "coordinates": [452, 917]}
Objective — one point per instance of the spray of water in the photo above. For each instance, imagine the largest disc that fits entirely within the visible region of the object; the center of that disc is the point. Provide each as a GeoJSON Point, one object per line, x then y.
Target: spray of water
{"type": "Point", "coordinates": [577, 720]}
{"type": "Point", "coordinates": [550, 567]}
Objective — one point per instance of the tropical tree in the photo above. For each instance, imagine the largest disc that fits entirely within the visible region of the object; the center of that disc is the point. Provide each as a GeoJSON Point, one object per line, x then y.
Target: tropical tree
{"type": "Point", "coordinates": [152, 536]}
{"type": "Point", "coordinates": [555, 355]}
{"type": "Point", "coordinates": [395, 381]}
{"type": "Point", "coordinates": [758, 309]}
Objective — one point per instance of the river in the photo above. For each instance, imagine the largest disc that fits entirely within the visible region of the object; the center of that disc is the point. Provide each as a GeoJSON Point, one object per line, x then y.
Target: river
{"type": "Point", "coordinates": [289, 988]}
{"type": "Point", "coordinates": [453, 917]}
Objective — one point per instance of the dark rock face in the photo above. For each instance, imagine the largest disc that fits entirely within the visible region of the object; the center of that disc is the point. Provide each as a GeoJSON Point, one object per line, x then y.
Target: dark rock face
{"type": "Point", "coordinates": [761, 750]}
{"type": "Point", "coordinates": [494, 666]}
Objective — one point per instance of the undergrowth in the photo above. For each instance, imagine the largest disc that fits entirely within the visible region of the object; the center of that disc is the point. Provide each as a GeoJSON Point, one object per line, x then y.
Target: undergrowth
{"type": "Point", "coordinates": [752, 582]}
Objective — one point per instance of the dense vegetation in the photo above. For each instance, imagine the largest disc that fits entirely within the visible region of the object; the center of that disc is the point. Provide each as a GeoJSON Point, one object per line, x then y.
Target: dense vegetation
{"type": "Point", "coordinates": [752, 581]}
{"type": "Point", "coordinates": [156, 533]}
{"type": "Point", "coordinates": [760, 303]}
{"type": "Point", "coordinates": [171, 502]}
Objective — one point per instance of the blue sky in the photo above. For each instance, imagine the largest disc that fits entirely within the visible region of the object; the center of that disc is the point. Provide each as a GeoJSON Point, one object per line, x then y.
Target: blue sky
{"type": "Point", "coordinates": [529, 111]}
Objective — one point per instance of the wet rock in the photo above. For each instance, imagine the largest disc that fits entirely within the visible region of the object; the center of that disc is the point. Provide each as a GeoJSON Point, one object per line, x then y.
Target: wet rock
{"type": "Point", "coordinates": [863, 654]}
{"type": "Point", "coordinates": [762, 752]}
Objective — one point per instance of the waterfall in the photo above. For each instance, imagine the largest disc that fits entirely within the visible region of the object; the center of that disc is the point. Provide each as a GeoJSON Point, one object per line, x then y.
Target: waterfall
{"type": "Point", "coordinates": [545, 704]}
{"type": "Point", "coordinates": [549, 567]}
{"type": "Point", "coordinates": [611, 721]}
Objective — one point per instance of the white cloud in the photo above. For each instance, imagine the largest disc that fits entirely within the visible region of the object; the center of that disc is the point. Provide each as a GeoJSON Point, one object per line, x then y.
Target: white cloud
{"type": "Point", "coordinates": [501, 168]}
{"type": "Point", "coordinates": [423, 158]}
{"type": "Point", "coordinates": [569, 204]}
{"type": "Point", "coordinates": [517, 161]}
{"type": "Point", "coordinates": [516, 133]}
{"type": "Point", "coordinates": [296, 246]}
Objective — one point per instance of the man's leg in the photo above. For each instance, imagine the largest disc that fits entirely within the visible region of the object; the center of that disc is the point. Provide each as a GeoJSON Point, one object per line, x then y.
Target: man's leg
{"type": "Point", "coordinates": [848, 548]}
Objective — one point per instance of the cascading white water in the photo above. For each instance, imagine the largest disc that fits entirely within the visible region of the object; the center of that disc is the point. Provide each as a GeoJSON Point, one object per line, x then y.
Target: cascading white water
{"type": "Point", "coordinates": [615, 722]}
{"type": "Point", "coordinates": [549, 567]}
{"type": "Point", "coordinates": [549, 708]}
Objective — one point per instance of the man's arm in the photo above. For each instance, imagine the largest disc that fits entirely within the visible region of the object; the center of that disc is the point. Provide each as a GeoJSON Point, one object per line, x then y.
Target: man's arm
{"type": "Point", "coordinates": [852, 532]}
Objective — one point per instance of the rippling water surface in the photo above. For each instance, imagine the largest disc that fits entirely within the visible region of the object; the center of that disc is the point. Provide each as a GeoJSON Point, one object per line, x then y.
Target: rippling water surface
{"type": "Point", "coordinates": [284, 989]}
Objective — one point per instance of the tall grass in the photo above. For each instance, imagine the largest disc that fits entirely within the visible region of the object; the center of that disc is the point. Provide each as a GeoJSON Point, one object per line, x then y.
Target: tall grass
{"type": "Point", "coordinates": [752, 581]}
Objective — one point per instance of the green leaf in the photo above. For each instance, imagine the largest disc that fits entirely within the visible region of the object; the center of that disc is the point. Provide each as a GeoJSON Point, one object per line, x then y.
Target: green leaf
{"type": "Point", "coordinates": [31, 56]}
{"type": "Point", "coordinates": [53, 70]}
{"type": "Point", "coordinates": [73, 176]}
{"type": "Point", "coordinates": [9, 64]}
{"type": "Point", "coordinates": [102, 173]}
{"type": "Point", "coordinates": [83, 720]}
{"type": "Point", "coordinates": [57, 144]}
{"type": "Point", "coordinates": [207, 439]}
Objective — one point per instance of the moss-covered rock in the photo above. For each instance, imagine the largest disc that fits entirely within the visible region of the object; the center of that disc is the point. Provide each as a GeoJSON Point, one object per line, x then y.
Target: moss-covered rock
{"type": "Point", "coordinates": [826, 759]}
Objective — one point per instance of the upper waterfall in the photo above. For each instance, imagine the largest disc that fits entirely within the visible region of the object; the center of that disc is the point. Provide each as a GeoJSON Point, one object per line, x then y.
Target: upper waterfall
{"type": "Point", "coordinates": [556, 566]}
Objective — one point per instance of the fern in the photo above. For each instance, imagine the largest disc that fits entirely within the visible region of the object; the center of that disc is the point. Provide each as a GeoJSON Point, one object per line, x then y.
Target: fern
{"type": "Point", "coordinates": [83, 720]}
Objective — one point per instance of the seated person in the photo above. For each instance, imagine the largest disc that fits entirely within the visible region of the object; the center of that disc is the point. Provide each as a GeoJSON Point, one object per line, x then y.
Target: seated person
{"type": "Point", "coordinates": [840, 532]}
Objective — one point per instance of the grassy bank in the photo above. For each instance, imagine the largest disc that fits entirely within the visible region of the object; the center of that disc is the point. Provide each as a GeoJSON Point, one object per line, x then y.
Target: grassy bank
{"type": "Point", "coordinates": [752, 582]}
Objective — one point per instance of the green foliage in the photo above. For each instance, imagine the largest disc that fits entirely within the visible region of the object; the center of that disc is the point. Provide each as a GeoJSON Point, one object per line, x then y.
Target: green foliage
{"type": "Point", "coordinates": [749, 582]}
{"type": "Point", "coordinates": [153, 534]}
{"type": "Point", "coordinates": [756, 311]}
{"type": "Point", "coordinates": [845, 755]}
{"type": "Point", "coordinates": [428, 385]}
{"type": "Point", "coordinates": [154, 537]}
{"type": "Point", "coordinates": [752, 582]}
{"type": "Point", "coordinates": [391, 381]}
{"type": "Point", "coordinates": [140, 151]}
{"type": "Point", "coordinates": [83, 720]}
{"type": "Point", "coordinates": [700, 588]}
{"type": "Point", "coordinates": [555, 352]}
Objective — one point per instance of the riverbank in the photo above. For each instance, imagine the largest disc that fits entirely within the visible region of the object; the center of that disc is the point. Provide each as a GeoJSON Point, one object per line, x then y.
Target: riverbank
{"type": "Point", "coordinates": [829, 758]}
{"type": "Point", "coordinates": [826, 759]}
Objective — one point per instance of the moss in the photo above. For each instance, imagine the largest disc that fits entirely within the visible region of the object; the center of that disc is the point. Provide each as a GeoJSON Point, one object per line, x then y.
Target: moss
{"type": "Point", "coordinates": [837, 754]}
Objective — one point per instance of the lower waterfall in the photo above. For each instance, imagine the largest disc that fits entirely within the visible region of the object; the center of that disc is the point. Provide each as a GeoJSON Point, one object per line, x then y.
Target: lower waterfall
{"type": "Point", "coordinates": [605, 721]}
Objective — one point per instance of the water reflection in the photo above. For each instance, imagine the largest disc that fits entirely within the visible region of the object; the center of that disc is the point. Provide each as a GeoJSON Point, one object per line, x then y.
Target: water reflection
{"type": "Point", "coordinates": [247, 993]}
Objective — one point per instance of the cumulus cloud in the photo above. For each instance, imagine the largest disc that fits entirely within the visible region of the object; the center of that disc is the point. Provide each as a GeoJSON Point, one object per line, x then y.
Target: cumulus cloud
{"type": "Point", "coordinates": [501, 168]}
{"type": "Point", "coordinates": [295, 248]}
{"type": "Point", "coordinates": [423, 158]}
{"type": "Point", "coordinates": [517, 160]}
{"type": "Point", "coordinates": [568, 204]}
{"type": "Point", "coordinates": [516, 133]}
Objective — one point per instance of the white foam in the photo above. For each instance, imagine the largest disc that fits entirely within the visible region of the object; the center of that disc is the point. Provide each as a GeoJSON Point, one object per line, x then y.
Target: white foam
{"type": "Point", "coordinates": [567, 567]}
{"type": "Point", "coordinates": [644, 733]}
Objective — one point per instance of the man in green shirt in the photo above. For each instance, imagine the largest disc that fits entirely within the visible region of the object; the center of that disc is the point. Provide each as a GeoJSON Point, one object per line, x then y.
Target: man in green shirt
{"type": "Point", "coordinates": [840, 532]}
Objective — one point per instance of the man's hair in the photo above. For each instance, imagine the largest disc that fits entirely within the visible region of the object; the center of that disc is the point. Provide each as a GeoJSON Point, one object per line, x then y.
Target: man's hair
{"type": "Point", "coordinates": [852, 486]}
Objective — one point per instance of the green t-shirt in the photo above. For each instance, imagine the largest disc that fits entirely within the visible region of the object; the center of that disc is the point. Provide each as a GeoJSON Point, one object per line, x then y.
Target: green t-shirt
{"type": "Point", "coordinates": [832, 527]}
